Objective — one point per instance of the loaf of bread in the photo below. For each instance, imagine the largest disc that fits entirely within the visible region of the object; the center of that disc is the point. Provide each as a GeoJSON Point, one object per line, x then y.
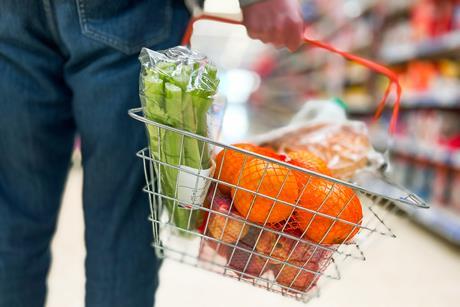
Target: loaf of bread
{"type": "Point", "coordinates": [344, 146]}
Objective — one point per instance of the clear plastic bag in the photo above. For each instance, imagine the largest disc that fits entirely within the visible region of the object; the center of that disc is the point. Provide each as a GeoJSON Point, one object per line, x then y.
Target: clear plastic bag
{"type": "Point", "coordinates": [321, 127]}
{"type": "Point", "coordinates": [345, 146]}
{"type": "Point", "coordinates": [177, 88]}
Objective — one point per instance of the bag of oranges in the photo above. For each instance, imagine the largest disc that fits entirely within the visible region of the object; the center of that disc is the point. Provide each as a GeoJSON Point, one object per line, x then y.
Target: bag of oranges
{"type": "Point", "coordinates": [269, 219]}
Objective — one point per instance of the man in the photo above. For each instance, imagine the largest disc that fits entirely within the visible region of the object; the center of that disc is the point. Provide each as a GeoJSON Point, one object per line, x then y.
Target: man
{"type": "Point", "coordinates": [69, 66]}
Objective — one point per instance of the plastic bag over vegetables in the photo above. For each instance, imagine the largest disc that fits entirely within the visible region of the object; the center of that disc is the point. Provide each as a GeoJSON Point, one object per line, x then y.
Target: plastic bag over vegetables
{"type": "Point", "coordinates": [177, 87]}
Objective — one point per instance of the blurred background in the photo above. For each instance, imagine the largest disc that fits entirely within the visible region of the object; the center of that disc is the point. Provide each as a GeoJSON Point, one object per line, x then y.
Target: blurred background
{"type": "Point", "coordinates": [264, 87]}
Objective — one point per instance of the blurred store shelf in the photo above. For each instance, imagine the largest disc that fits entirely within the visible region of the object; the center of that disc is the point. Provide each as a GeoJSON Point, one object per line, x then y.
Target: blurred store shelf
{"type": "Point", "coordinates": [352, 11]}
{"type": "Point", "coordinates": [428, 101]}
{"type": "Point", "coordinates": [441, 45]}
{"type": "Point", "coordinates": [398, 9]}
{"type": "Point", "coordinates": [427, 152]}
{"type": "Point", "coordinates": [438, 219]}
{"type": "Point", "coordinates": [416, 102]}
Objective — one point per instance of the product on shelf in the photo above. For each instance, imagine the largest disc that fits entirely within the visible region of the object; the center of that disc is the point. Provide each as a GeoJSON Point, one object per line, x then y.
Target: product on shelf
{"type": "Point", "coordinates": [456, 15]}
{"type": "Point", "coordinates": [431, 18]}
{"type": "Point", "coordinates": [455, 192]}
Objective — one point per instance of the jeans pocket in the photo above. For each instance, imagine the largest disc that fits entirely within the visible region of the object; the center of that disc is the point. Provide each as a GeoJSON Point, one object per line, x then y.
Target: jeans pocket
{"type": "Point", "coordinates": [126, 25]}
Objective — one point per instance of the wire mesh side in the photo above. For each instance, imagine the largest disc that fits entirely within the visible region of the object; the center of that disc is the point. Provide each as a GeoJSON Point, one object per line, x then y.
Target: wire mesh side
{"type": "Point", "coordinates": [369, 223]}
{"type": "Point", "coordinates": [265, 282]}
{"type": "Point", "coordinates": [243, 260]}
{"type": "Point", "coordinates": [276, 240]}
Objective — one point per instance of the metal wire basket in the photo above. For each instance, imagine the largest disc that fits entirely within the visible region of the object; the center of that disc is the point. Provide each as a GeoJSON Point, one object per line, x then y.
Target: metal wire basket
{"type": "Point", "coordinates": [275, 256]}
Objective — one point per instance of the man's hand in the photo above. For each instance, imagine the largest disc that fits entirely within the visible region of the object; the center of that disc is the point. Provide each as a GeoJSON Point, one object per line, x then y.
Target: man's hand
{"type": "Point", "coordinates": [278, 22]}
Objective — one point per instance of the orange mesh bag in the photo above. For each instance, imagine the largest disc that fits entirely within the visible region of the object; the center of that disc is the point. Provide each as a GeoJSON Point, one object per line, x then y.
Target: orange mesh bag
{"type": "Point", "coordinates": [261, 188]}
{"type": "Point", "coordinates": [308, 160]}
{"type": "Point", "coordinates": [223, 223]}
{"type": "Point", "coordinates": [333, 212]}
{"type": "Point", "coordinates": [302, 266]}
{"type": "Point", "coordinates": [229, 163]}
{"type": "Point", "coordinates": [226, 225]}
{"type": "Point", "coordinates": [245, 263]}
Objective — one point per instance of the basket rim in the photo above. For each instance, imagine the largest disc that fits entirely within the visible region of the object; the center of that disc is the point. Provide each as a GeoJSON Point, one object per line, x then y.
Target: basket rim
{"type": "Point", "coordinates": [142, 155]}
{"type": "Point", "coordinates": [411, 199]}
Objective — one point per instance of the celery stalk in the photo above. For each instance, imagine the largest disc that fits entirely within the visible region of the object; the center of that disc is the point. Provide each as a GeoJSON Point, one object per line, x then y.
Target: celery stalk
{"type": "Point", "coordinates": [152, 99]}
{"type": "Point", "coordinates": [171, 154]}
{"type": "Point", "coordinates": [171, 142]}
{"type": "Point", "coordinates": [178, 92]}
{"type": "Point", "coordinates": [201, 106]}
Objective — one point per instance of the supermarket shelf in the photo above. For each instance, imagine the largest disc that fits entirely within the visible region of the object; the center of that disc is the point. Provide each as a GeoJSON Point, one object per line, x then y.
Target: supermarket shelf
{"type": "Point", "coordinates": [329, 32]}
{"type": "Point", "coordinates": [429, 48]}
{"type": "Point", "coordinates": [398, 12]}
{"type": "Point", "coordinates": [442, 221]}
{"type": "Point", "coordinates": [354, 81]}
{"type": "Point", "coordinates": [361, 48]}
{"type": "Point", "coordinates": [422, 102]}
{"type": "Point", "coordinates": [436, 218]}
{"type": "Point", "coordinates": [360, 111]}
{"type": "Point", "coordinates": [299, 63]}
{"type": "Point", "coordinates": [427, 101]}
{"type": "Point", "coordinates": [431, 153]}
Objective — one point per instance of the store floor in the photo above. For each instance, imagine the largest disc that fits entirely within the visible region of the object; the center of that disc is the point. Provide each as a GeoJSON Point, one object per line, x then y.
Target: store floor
{"type": "Point", "coordinates": [414, 270]}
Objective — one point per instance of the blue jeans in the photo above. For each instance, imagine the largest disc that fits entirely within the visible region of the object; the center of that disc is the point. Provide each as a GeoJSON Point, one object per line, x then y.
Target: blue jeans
{"type": "Point", "coordinates": [67, 67]}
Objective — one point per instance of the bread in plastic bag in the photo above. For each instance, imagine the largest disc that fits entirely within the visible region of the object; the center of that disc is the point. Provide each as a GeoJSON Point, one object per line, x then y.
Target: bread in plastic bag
{"type": "Point", "coordinates": [344, 144]}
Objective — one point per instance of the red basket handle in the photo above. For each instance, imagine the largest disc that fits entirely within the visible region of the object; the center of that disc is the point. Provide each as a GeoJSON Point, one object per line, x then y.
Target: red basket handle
{"type": "Point", "coordinates": [365, 62]}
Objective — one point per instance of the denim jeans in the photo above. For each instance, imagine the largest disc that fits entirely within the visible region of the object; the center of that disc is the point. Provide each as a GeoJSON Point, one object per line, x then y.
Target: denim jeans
{"type": "Point", "coordinates": [67, 67]}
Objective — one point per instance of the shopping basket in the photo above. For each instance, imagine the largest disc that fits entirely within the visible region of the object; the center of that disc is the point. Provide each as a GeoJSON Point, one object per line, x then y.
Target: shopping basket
{"type": "Point", "coordinates": [278, 256]}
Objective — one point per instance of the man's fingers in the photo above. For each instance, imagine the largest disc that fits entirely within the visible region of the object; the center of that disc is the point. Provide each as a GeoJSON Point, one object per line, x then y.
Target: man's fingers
{"type": "Point", "coordinates": [259, 34]}
{"type": "Point", "coordinates": [294, 33]}
{"type": "Point", "coordinates": [263, 33]}
{"type": "Point", "coordinates": [256, 29]}
{"type": "Point", "coordinates": [275, 21]}
{"type": "Point", "coordinates": [278, 35]}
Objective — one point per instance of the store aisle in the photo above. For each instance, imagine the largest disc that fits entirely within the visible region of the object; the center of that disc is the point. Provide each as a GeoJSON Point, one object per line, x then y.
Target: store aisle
{"type": "Point", "coordinates": [66, 279]}
{"type": "Point", "coordinates": [414, 270]}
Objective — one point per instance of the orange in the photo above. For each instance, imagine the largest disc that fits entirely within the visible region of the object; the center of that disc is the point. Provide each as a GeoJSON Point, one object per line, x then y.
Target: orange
{"type": "Point", "coordinates": [309, 161]}
{"type": "Point", "coordinates": [268, 179]}
{"type": "Point", "coordinates": [334, 200]}
{"type": "Point", "coordinates": [229, 163]}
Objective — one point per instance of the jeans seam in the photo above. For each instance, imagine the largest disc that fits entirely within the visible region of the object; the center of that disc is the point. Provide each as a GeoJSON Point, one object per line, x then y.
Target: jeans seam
{"type": "Point", "coordinates": [117, 42]}
{"type": "Point", "coordinates": [50, 20]}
